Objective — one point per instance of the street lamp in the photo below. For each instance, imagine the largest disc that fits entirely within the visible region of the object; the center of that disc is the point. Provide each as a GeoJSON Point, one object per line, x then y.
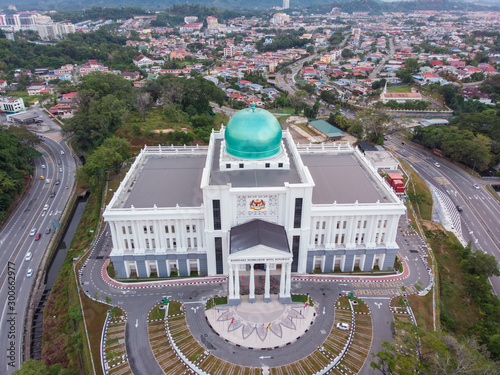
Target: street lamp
{"type": "Point", "coordinates": [474, 167]}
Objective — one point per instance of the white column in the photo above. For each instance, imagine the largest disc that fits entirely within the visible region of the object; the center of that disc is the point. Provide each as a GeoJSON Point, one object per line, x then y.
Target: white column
{"type": "Point", "coordinates": [237, 281]}
{"type": "Point", "coordinates": [114, 234]}
{"type": "Point", "coordinates": [252, 282]}
{"type": "Point", "coordinates": [282, 280]}
{"type": "Point", "coordinates": [288, 279]}
{"type": "Point", "coordinates": [267, 287]}
{"type": "Point", "coordinates": [231, 286]}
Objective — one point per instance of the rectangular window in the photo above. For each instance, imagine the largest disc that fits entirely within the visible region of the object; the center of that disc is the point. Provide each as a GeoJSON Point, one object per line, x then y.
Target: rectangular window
{"type": "Point", "coordinates": [385, 223]}
{"type": "Point", "coordinates": [195, 242]}
{"type": "Point", "coordinates": [382, 238]}
{"type": "Point", "coordinates": [189, 243]}
{"type": "Point", "coordinates": [338, 224]}
{"type": "Point", "coordinates": [129, 229]}
{"type": "Point", "coordinates": [126, 244]}
{"type": "Point", "coordinates": [218, 255]}
{"type": "Point", "coordinates": [194, 228]}
{"type": "Point", "coordinates": [324, 225]}
{"type": "Point", "coordinates": [363, 238]}
{"type": "Point", "coordinates": [123, 230]}
{"type": "Point", "coordinates": [241, 165]}
{"type": "Point", "coordinates": [132, 244]}
{"type": "Point", "coordinates": [151, 229]}
{"type": "Point", "coordinates": [297, 218]}
{"type": "Point", "coordinates": [376, 238]}
{"type": "Point", "coordinates": [344, 225]}
{"type": "Point", "coordinates": [317, 225]}
{"type": "Point", "coordinates": [168, 243]}
{"type": "Point", "coordinates": [166, 228]}
{"type": "Point", "coordinates": [188, 228]}
{"type": "Point", "coordinates": [315, 239]}
{"type": "Point", "coordinates": [153, 244]}
{"type": "Point", "coordinates": [268, 165]}
{"type": "Point", "coordinates": [295, 252]}
{"type": "Point", "coordinates": [145, 229]}
{"type": "Point", "coordinates": [147, 243]}
{"type": "Point", "coordinates": [378, 224]}
{"type": "Point", "coordinates": [364, 225]}
{"type": "Point", "coordinates": [342, 239]}
{"type": "Point", "coordinates": [322, 239]}
{"type": "Point", "coordinates": [359, 224]}
{"type": "Point", "coordinates": [173, 228]}
{"type": "Point", "coordinates": [174, 243]}
{"type": "Point", "coordinates": [336, 239]}
{"type": "Point", "coordinates": [216, 213]}
{"type": "Point", "coordinates": [228, 166]}
{"type": "Point", "coordinates": [280, 165]}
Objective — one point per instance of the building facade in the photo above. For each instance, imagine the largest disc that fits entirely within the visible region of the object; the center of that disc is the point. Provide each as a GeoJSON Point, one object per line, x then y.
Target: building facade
{"type": "Point", "coordinates": [11, 105]}
{"type": "Point", "coordinates": [309, 208]}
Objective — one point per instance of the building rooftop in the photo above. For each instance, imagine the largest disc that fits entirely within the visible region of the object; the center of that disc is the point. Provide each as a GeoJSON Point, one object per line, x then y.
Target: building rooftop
{"type": "Point", "coordinates": [252, 177]}
{"type": "Point", "coordinates": [166, 182]}
{"type": "Point", "coordinates": [343, 179]}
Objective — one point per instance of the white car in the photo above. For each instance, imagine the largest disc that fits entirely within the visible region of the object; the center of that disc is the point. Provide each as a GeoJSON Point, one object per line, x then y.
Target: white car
{"type": "Point", "coordinates": [43, 166]}
{"type": "Point", "coordinates": [476, 186]}
{"type": "Point", "coordinates": [60, 170]}
{"type": "Point", "coordinates": [46, 207]}
{"type": "Point", "coordinates": [343, 326]}
{"type": "Point", "coordinates": [62, 152]}
{"type": "Point", "coordinates": [30, 273]}
{"type": "Point", "coordinates": [33, 232]}
{"type": "Point", "coordinates": [28, 256]}
{"type": "Point", "coordinates": [437, 165]}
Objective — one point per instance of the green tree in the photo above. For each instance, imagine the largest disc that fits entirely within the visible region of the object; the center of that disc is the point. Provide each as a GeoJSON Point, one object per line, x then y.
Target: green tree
{"type": "Point", "coordinates": [481, 263]}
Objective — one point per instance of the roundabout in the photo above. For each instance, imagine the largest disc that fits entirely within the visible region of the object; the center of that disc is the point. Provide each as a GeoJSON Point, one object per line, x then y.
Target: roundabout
{"type": "Point", "coordinates": [261, 325]}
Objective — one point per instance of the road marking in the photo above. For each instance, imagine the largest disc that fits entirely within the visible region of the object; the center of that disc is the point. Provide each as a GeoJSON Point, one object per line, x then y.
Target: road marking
{"type": "Point", "coordinates": [378, 304]}
{"type": "Point", "coordinates": [265, 356]}
{"type": "Point", "coordinates": [375, 297]}
{"type": "Point", "coordinates": [136, 323]}
{"type": "Point", "coordinates": [195, 309]}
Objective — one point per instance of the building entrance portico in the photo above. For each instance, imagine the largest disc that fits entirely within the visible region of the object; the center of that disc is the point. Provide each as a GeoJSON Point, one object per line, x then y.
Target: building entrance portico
{"type": "Point", "coordinates": [256, 245]}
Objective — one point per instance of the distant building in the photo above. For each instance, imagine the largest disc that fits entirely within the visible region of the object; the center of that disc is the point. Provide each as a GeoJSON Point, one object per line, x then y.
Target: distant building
{"type": "Point", "coordinates": [229, 51]}
{"type": "Point", "coordinates": [18, 22]}
{"type": "Point", "coordinates": [92, 66]}
{"type": "Point", "coordinates": [190, 19]}
{"type": "Point", "coordinates": [286, 4]}
{"type": "Point", "coordinates": [399, 97]}
{"type": "Point", "coordinates": [142, 60]}
{"type": "Point", "coordinates": [11, 105]}
{"type": "Point", "coordinates": [191, 27]}
{"type": "Point", "coordinates": [280, 19]}
{"type": "Point", "coordinates": [327, 130]}
{"type": "Point", "coordinates": [37, 89]}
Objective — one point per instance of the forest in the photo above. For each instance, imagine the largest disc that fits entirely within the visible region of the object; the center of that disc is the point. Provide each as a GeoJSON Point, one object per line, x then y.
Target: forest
{"type": "Point", "coordinates": [17, 153]}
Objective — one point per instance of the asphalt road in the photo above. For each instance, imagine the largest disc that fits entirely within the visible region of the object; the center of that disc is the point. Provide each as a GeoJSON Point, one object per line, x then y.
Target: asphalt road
{"type": "Point", "coordinates": [16, 242]}
{"type": "Point", "coordinates": [481, 212]}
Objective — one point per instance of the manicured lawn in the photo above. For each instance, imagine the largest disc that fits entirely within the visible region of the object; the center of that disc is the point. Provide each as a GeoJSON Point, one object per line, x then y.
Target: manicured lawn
{"type": "Point", "coordinates": [399, 89]}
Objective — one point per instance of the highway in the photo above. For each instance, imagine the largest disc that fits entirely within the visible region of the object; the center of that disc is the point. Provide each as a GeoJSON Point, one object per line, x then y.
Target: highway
{"type": "Point", "coordinates": [481, 212]}
{"type": "Point", "coordinates": [16, 243]}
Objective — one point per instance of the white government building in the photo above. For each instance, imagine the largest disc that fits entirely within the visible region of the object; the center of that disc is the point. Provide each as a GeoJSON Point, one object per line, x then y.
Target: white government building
{"type": "Point", "coordinates": [250, 203]}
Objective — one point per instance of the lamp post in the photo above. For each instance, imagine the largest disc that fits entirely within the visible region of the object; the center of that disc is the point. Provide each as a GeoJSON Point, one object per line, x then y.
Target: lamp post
{"type": "Point", "coordinates": [474, 166]}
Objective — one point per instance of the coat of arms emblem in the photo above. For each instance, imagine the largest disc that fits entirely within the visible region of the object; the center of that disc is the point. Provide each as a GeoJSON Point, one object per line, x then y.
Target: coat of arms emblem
{"type": "Point", "coordinates": [257, 204]}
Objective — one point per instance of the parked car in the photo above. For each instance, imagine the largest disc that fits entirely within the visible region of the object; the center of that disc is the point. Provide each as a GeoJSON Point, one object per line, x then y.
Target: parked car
{"type": "Point", "coordinates": [33, 232]}
{"type": "Point", "coordinates": [28, 256]}
{"type": "Point", "coordinates": [38, 236]}
{"type": "Point", "coordinates": [343, 326]}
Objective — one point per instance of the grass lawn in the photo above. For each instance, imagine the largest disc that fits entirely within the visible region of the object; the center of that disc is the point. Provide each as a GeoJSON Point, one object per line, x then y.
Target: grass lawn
{"type": "Point", "coordinates": [302, 298]}
{"type": "Point", "coordinates": [457, 311]}
{"type": "Point", "coordinates": [218, 301]}
{"type": "Point", "coordinates": [156, 313]}
{"type": "Point", "coordinates": [419, 193]}
{"type": "Point", "coordinates": [399, 89]}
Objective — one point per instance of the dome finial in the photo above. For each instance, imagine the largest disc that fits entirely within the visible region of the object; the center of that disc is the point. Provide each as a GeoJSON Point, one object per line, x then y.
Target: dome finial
{"type": "Point", "coordinates": [253, 103]}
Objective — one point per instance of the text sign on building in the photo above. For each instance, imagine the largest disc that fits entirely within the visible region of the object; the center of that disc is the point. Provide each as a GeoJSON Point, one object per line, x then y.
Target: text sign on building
{"type": "Point", "coordinates": [257, 205]}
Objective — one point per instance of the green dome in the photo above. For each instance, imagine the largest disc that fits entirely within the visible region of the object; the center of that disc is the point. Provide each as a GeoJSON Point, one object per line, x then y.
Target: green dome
{"type": "Point", "coordinates": [253, 134]}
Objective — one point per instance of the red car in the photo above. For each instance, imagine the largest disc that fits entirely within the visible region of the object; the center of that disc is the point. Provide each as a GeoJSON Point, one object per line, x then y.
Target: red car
{"type": "Point", "coordinates": [37, 237]}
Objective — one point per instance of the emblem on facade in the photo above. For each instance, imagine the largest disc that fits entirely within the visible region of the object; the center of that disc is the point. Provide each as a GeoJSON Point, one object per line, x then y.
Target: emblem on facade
{"type": "Point", "coordinates": [257, 204]}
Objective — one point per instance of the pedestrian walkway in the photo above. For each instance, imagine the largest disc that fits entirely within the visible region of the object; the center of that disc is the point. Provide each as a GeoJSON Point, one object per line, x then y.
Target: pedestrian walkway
{"type": "Point", "coordinates": [261, 324]}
